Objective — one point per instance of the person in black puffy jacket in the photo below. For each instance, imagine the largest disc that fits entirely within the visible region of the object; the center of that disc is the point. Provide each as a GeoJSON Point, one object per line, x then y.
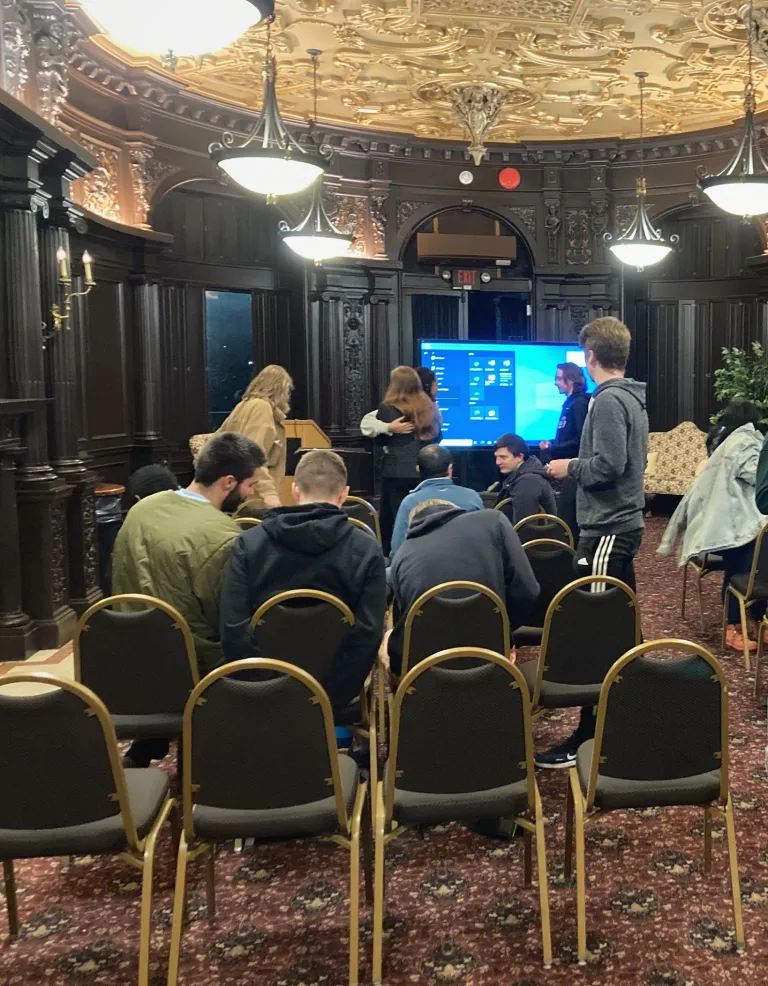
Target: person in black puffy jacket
{"type": "Point", "coordinates": [569, 380]}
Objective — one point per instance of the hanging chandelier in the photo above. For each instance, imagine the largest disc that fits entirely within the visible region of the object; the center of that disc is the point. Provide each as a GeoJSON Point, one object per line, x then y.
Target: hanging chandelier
{"type": "Point", "coordinates": [316, 238]}
{"type": "Point", "coordinates": [641, 245]}
{"type": "Point", "coordinates": [171, 28]}
{"type": "Point", "coordinates": [270, 162]}
{"type": "Point", "coordinates": [739, 189]}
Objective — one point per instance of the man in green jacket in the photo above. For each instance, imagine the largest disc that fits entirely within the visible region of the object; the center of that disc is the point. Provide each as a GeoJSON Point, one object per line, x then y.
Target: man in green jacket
{"type": "Point", "coordinates": [175, 546]}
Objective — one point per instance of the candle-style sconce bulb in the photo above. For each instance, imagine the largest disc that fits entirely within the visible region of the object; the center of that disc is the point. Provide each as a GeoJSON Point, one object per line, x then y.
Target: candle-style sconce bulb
{"type": "Point", "coordinates": [61, 312]}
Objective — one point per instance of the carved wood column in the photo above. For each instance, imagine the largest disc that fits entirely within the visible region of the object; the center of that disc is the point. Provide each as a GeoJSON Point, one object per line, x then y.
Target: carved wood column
{"type": "Point", "coordinates": [146, 296]}
{"type": "Point", "coordinates": [63, 391]}
{"type": "Point", "coordinates": [16, 629]}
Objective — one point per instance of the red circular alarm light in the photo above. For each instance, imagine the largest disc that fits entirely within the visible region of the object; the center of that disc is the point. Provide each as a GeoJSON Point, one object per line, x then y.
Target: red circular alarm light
{"type": "Point", "coordinates": [509, 178]}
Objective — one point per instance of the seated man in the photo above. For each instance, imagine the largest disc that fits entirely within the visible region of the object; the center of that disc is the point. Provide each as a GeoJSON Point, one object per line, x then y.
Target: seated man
{"type": "Point", "coordinates": [147, 480]}
{"type": "Point", "coordinates": [310, 546]}
{"type": "Point", "coordinates": [524, 481]}
{"type": "Point", "coordinates": [446, 544]}
{"type": "Point", "coordinates": [435, 465]}
{"type": "Point", "coordinates": [175, 546]}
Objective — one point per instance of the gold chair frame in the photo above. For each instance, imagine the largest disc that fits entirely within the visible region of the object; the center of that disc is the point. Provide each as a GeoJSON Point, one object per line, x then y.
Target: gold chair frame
{"type": "Point", "coordinates": [147, 602]}
{"type": "Point", "coordinates": [762, 631]}
{"type": "Point", "coordinates": [349, 836]}
{"type": "Point", "coordinates": [372, 510]}
{"type": "Point", "coordinates": [416, 611]}
{"type": "Point", "coordinates": [548, 517]}
{"type": "Point", "coordinates": [245, 522]}
{"type": "Point", "coordinates": [140, 852]}
{"type": "Point", "coordinates": [744, 601]}
{"type": "Point", "coordinates": [363, 527]}
{"type": "Point", "coordinates": [581, 808]}
{"type": "Point", "coordinates": [553, 608]}
{"type": "Point", "coordinates": [503, 503]}
{"type": "Point", "coordinates": [347, 616]}
{"type": "Point", "coordinates": [702, 571]}
{"type": "Point", "coordinates": [386, 829]}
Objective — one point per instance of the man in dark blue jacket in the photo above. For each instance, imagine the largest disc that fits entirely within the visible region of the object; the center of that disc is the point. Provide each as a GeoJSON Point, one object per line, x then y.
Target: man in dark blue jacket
{"type": "Point", "coordinates": [569, 380]}
{"type": "Point", "coordinates": [310, 546]}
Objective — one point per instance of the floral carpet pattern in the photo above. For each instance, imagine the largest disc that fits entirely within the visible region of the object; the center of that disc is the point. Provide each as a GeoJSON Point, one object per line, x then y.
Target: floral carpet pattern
{"type": "Point", "coordinates": [456, 909]}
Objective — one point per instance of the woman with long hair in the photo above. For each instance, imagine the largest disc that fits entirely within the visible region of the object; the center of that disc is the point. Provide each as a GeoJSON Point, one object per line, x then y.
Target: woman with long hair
{"type": "Point", "coordinates": [265, 404]}
{"type": "Point", "coordinates": [718, 514]}
{"type": "Point", "coordinates": [405, 399]}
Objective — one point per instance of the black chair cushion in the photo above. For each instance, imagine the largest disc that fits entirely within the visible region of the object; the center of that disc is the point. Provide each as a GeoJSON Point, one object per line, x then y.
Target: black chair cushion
{"type": "Point", "coordinates": [708, 563]}
{"type": "Point", "coordinates": [312, 818]}
{"type": "Point", "coordinates": [139, 727]}
{"type": "Point", "coordinates": [147, 791]}
{"type": "Point", "coordinates": [527, 636]}
{"type": "Point", "coordinates": [555, 695]}
{"type": "Point", "coordinates": [414, 807]}
{"type": "Point", "coordinates": [741, 582]}
{"type": "Point", "coordinates": [617, 792]}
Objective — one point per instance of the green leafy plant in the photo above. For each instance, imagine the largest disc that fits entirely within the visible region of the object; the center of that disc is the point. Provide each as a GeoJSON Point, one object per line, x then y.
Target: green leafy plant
{"type": "Point", "coordinates": [743, 378]}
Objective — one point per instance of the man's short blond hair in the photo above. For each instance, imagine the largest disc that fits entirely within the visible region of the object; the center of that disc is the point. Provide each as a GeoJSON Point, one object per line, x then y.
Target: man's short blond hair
{"type": "Point", "coordinates": [423, 506]}
{"type": "Point", "coordinates": [609, 340]}
{"type": "Point", "coordinates": [321, 473]}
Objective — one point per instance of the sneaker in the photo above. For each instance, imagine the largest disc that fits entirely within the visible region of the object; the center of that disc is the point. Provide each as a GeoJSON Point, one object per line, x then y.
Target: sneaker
{"type": "Point", "coordinates": [735, 640]}
{"type": "Point", "coordinates": [558, 758]}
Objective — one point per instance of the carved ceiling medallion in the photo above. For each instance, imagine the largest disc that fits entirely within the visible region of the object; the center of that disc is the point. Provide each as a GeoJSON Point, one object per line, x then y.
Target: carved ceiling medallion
{"type": "Point", "coordinates": [567, 66]}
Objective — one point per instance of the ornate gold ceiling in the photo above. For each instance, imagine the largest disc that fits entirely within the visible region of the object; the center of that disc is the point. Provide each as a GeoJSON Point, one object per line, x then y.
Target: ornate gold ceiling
{"type": "Point", "coordinates": [567, 65]}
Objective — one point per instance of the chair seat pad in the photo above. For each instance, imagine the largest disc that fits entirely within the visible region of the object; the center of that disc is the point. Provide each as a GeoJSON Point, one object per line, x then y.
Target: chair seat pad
{"type": "Point", "coordinates": [554, 694]}
{"type": "Point", "coordinates": [311, 818]}
{"type": "Point", "coordinates": [157, 725]}
{"type": "Point", "coordinates": [416, 807]}
{"type": "Point", "coordinates": [527, 636]}
{"type": "Point", "coordinates": [741, 582]}
{"type": "Point", "coordinates": [147, 791]}
{"type": "Point", "coordinates": [714, 563]}
{"type": "Point", "coordinates": [619, 792]}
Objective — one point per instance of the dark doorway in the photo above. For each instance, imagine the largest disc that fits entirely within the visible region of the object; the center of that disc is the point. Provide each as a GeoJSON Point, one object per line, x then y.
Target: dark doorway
{"type": "Point", "coordinates": [499, 317]}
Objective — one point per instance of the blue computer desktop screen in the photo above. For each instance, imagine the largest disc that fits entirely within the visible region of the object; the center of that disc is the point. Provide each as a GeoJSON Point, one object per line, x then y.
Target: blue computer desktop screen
{"type": "Point", "coordinates": [486, 389]}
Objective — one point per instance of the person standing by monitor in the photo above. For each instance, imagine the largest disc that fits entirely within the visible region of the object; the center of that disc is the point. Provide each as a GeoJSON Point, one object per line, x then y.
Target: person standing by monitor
{"type": "Point", "coordinates": [570, 381]}
{"type": "Point", "coordinates": [609, 473]}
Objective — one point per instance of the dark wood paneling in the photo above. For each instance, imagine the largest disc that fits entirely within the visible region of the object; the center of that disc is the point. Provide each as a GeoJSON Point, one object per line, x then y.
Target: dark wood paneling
{"type": "Point", "coordinates": [662, 365]}
{"type": "Point", "coordinates": [106, 365]}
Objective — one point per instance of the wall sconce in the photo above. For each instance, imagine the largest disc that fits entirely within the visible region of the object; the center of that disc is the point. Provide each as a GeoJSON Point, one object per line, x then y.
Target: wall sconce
{"type": "Point", "coordinates": [61, 312]}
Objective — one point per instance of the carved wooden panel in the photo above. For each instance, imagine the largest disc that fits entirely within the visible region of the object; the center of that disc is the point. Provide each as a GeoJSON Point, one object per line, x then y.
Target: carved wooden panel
{"type": "Point", "coordinates": [106, 365]}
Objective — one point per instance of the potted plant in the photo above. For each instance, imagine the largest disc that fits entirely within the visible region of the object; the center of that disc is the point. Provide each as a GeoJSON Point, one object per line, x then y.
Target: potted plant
{"type": "Point", "coordinates": [744, 377]}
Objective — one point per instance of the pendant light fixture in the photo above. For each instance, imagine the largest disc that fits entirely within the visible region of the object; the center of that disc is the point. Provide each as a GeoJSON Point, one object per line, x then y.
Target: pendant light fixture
{"type": "Point", "coordinates": [641, 245]}
{"type": "Point", "coordinates": [739, 189]}
{"type": "Point", "coordinates": [316, 238]}
{"type": "Point", "coordinates": [170, 28]}
{"type": "Point", "coordinates": [270, 162]}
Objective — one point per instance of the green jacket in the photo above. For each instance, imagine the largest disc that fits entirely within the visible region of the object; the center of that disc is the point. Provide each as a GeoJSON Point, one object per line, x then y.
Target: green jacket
{"type": "Point", "coordinates": [177, 548]}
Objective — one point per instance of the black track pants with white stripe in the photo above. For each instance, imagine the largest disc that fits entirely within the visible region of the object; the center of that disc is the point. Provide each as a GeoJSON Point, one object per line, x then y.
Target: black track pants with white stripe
{"type": "Point", "coordinates": [611, 554]}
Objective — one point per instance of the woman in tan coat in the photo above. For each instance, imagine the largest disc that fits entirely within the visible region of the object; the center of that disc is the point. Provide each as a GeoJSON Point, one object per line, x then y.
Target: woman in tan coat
{"type": "Point", "coordinates": [260, 414]}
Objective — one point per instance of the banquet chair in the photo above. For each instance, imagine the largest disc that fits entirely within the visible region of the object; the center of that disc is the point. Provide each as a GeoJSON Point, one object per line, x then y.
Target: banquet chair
{"type": "Point", "coordinates": [540, 527]}
{"type": "Point", "coordinates": [362, 510]}
{"type": "Point", "coordinates": [680, 760]}
{"type": "Point", "coordinates": [702, 565]}
{"type": "Point", "coordinates": [553, 565]}
{"type": "Point", "coordinates": [748, 589]}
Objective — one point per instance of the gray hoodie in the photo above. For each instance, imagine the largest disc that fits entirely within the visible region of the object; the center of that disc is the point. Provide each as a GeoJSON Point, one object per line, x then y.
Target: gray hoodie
{"type": "Point", "coordinates": [612, 458]}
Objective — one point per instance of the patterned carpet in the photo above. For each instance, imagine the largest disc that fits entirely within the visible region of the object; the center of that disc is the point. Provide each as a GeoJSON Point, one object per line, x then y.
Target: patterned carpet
{"type": "Point", "coordinates": [456, 910]}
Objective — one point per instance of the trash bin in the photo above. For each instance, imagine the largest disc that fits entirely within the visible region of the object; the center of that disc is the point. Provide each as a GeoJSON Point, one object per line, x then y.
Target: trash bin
{"type": "Point", "coordinates": [109, 520]}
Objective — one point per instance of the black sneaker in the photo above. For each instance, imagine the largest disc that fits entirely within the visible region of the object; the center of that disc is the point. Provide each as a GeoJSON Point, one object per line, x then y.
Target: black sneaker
{"type": "Point", "coordinates": [558, 758]}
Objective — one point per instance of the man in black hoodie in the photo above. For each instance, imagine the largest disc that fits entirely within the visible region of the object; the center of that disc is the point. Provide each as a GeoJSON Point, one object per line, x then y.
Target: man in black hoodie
{"type": "Point", "coordinates": [525, 480]}
{"type": "Point", "coordinates": [445, 544]}
{"type": "Point", "coordinates": [569, 380]}
{"type": "Point", "coordinates": [310, 546]}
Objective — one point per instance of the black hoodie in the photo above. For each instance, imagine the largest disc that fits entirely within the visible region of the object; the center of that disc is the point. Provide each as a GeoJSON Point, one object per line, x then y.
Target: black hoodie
{"type": "Point", "coordinates": [308, 547]}
{"type": "Point", "coordinates": [570, 426]}
{"type": "Point", "coordinates": [529, 489]}
{"type": "Point", "coordinates": [445, 544]}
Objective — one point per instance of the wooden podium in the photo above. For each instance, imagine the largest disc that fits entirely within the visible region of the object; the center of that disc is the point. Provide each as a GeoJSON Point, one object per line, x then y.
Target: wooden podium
{"type": "Point", "coordinates": [299, 433]}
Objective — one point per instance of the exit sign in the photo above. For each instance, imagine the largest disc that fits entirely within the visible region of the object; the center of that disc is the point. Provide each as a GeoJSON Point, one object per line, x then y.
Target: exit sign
{"type": "Point", "coordinates": [467, 278]}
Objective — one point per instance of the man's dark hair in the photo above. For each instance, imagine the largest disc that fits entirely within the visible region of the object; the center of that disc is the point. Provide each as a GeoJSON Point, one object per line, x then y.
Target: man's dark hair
{"type": "Point", "coordinates": [228, 454]}
{"type": "Point", "coordinates": [151, 479]}
{"type": "Point", "coordinates": [434, 461]}
{"type": "Point", "coordinates": [427, 378]}
{"type": "Point", "coordinates": [514, 444]}
{"type": "Point", "coordinates": [572, 373]}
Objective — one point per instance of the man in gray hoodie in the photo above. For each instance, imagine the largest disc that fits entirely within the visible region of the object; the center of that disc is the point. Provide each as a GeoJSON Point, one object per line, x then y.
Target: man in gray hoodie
{"type": "Point", "coordinates": [609, 472]}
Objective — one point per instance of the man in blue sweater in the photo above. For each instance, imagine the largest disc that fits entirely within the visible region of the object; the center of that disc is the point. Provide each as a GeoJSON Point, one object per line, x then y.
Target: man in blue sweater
{"type": "Point", "coordinates": [435, 465]}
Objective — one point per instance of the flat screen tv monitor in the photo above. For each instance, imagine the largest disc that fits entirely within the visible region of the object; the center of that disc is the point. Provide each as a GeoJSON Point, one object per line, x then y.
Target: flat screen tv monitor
{"type": "Point", "coordinates": [486, 389]}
